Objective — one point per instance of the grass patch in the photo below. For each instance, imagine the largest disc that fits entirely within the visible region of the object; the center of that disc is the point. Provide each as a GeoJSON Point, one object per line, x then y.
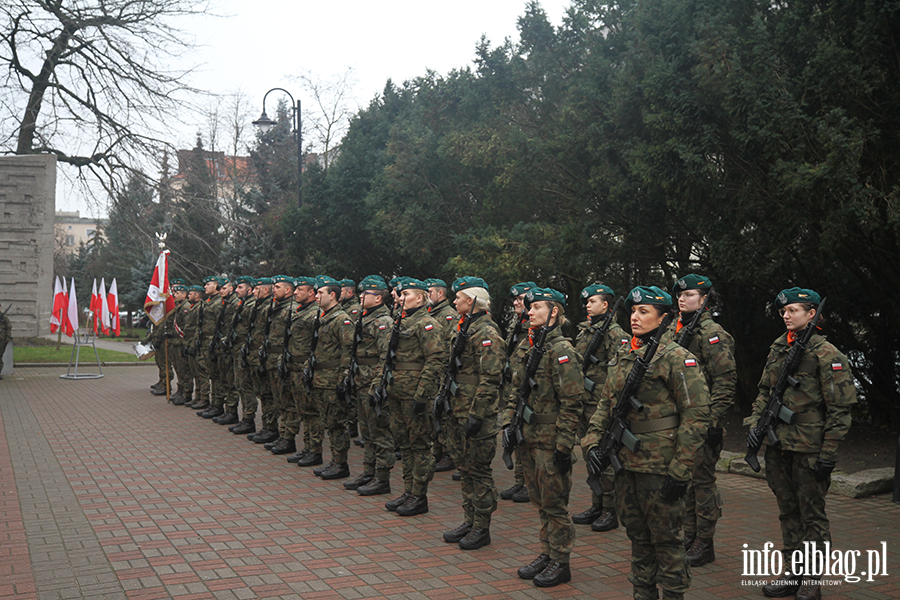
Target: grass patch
{"type": "Point", "coordinates": [40, 353]}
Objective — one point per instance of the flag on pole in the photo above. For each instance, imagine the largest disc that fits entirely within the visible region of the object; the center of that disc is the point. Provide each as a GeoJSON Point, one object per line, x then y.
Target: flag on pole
{"type": "Point", "coordinates": [104, 307]}
{"type": "Point", "coordinates": [112, 301]}
{"type": "Point", "coordinates": [71, 322]}
{"type": "Point", "coordinates": [59, 306]}
{"type": "Point", "coordinates": [94, 306]}
{"type": "Point", "coordinates": [159, 302]}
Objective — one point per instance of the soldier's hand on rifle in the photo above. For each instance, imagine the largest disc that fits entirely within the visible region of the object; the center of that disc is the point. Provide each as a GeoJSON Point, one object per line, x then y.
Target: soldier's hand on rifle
{"type": "Point", "coordinates": [473, 426]}
{"type": "Point", "coordinates": [754, 438]}
{"type": "Point", "coordinates": [419, 407]}
{"type": "Point", "coordinates": [563, 460]}
{"type": "Point", "coordinates": [673, 490]}
{"type": "Point", "coordinates": [371, 400]}
{"type": "Point", "coordinates": [823, 469]}
{"type": "Point", "coordinates": [714, 437]}
{"type": "Point", "coordinates": [594, 462]}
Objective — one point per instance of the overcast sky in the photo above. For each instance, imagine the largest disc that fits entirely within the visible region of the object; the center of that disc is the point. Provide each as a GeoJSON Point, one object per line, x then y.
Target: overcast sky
{"type": "Point", "coordinates": [262, 44]}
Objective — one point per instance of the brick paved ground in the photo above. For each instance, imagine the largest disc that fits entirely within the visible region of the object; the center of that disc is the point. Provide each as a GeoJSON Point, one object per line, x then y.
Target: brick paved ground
{"type": "Point", "coordinates": [107, 492]}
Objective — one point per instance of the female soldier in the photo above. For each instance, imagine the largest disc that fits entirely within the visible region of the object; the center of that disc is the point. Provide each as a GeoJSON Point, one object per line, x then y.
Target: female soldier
{"type": "Point", "coordinates": [471, 428]}
{"type": "Point", "coordinates": [597, 300]}
{"type": "Point", "coordinates": [549, 435]}
{"type": "Point", "coordinates": [671, 428]}
{"type": "Point", "coordinates": [799, 471]}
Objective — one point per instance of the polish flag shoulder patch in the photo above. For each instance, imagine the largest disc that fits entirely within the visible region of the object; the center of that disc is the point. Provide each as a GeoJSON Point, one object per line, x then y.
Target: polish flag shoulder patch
{"type": "Point", "coordinates": [429, 327]}
{"type": "Point", "coordinates": [563, 360]}
{"type": "Point", "coordinates": [449, 317]}
{"type": "Point", "coordinates": [624, 341]}
{"type": "Point", "coordinates": [714, 339]}
{"type": "Point", "coordinates": [347, 322]}
{"type": "Point", "coordinates": [486, 343]}
{"type": "Point", "coordinates": [690, 362]}
{"type": "Point", "coordinates": [382, 327]}
{"type": "Point", "coordinates": [836, 366]}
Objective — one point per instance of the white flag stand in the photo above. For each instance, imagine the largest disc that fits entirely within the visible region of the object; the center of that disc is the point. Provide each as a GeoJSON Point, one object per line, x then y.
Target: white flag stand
{"type": "Point", "coordinates": [82, 339]}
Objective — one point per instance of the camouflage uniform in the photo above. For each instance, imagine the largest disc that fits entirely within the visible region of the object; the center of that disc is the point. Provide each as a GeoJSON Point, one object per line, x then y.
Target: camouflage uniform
{"type": "Point", "coordinates": [445, 314]}
{"type": "Point", "coordinates": [226, 396]}
{"type": "Point", "coordinates": [674, 387]}
{"type": "Point", "coordinates": [826, 390]}
{"type": "Point", "coordinates": [332, 366]}
{"type": "Point", "coordinates": [279, 316]}
{"type": "Point", "coordinates": [157, 337]}
{"type": "Point", "coordinates": [713, 347]}
{"type": "Point", "coordinates": [209, 350]}
{"type": "Point", "coordinates": [557, 404]}
{"type": "Point", "coordinates": [478, 396]}
{"type": "Point", "coordinates": [512, 343]}
{"type": "Point", "coordinates": [421, 354]}
{"type": "Point", "coordinates": [595, 378]}
{"type": "Point", "coordinates": [5, 336]}
{"type": "Point", "coordinates": [259, 375]}
{"type": "Point", "coordinates": [375, 430]}
{"type": "Point", "coordinates": [298, 407]}
{"type": "Point", "coordinates": [189, 322]}
{"type": "Point", "coordinates": [176, 346]}
{"type": "Point", "coordinates": [352, 308]}
{"type": "Point", "coordinates": [244, 377]}
{"type": "Point", "coordinates": [236, 332]}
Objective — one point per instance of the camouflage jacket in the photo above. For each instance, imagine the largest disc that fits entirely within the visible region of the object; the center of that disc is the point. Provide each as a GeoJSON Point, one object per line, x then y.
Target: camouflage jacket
{"type": "Point", "coordinates": [595, 372]}
{"type": "Point", "coordinates": [351, 307]}
{"type": "Point", "coordinates": [376, 334]}
{"type": "Point", "coordinates": [229, 307]}
{"type": "Point", "coordinates": [279, 314]}
{"type": "Point", "coordinates": [826, 385]}
{"type": "Point", "coordinates": [674, 385]}
{"type": "Point", "coordinates": [240, 323]}
{"type": "Point", "coordinates": [714, 348]}
{"type": "Point", "coordinates": [422, 343]}
{"type": "Point", "coordinates": [333, 348]}
{"type": "Point", "coordinates": [5, 330]}
{"type": "Point", "coordinates": [512, 342]}
{"type": "Point", "coordinates": [177, 329]}
{"type": "Point", "coordinates": [444, 313]}
{"type": "Point", "coordinates": [210, 309]}
{"type": "Point", "coordinates": [187, 321]}
{"type": "Point", "coordinates": [478, 377]}
{"type": "Point", "coordinates": [302, 323]}
{"type": "Point", "coordinates": [559, 392]}
{"type": "Point", "coordinates": [259, 328]}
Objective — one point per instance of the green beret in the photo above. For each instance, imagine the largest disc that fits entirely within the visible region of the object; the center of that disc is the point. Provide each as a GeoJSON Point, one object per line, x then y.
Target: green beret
{"type": "Point", "coordinates": [795, 294]}
{"type": "Point", "coordinates": [244, 279]}
{"type": "Point", "coordinates": [521, 288]}
{"type": "Point", "coordinates": [469, 282]}
{"type": "Point", "coordinates": [648, 295]}
{"type": "Point", "coordinates": [408, 283]}
{"type": "Point", "coordinates": [595, 289]}
{"type": "Point", "coordinates": [195, 288]}
{"type": "Point", "coordinates": [264, 281]}
{"type": "Point", "coordinates": [348, 283]}
{"type": "Point", "coordinates": [178, 281]}
{"type": "Point", "coordinates": [222, 280]}
{"type": "Point", "coordinates": [210, 278]}
{"type": "Point", "coordinates": [433, 282]}
{"type": "Point", "coordinates": [284, 279]}
{"type": "Point", "coordinates": [178, 288]}
{"type": "Point", "coordinates": [304, 280]}
{"type": "Point", "coordinates": [372, 282]}
{"type": "Point", "coordinates": [325, 281]}
{"type": "Point", "coordinates": [691, 282]}
{"type": "Point", "coordinates": [544, 294]}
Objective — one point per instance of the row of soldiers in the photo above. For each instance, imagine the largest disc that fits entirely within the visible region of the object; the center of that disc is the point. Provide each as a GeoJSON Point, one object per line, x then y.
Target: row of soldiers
{"type": "Point", "coordinates": [424, 380]}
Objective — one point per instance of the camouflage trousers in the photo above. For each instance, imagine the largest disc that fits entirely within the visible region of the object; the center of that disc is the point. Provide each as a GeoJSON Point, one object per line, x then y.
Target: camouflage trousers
{"type": "Point", "coordinates": [266, 402]}
{"type": "Point", "coordinates": [288, 411]}
{"type": "Point", "coordinates": [473, 458]}
{"type": "Point", "coordinates": [549, 489]}
{"type": "Point", "coordinates": [160, 359]}
{"type": "Point", "coordinates": [703, 503]}
{"type": "Point", "coordinates": [308, 414]}
{"type": "Point", "coordinates": [333, 416]}
{"type": "Point", "coordinates": [2, 350]}
{"type": "Point", "coordinates": [801, 499]}
{"type": "Point", "coordinates": [201, 376]}
{"type": "Point", "coordinates": [375, 431]}
{"type": "Point", "coordinates": [276, 384]}
{"type": "Point", "coordinates": [654, 528]}
{"type": "Point", "coordinates": [223, 382]}
{"type": "Point", "coordinates": [413, 435]}
{"type": "Point", "coordinates": [608, 476]}
{"type": "Point", "coordinates": [182, 369]}
{"type": "Point", "coordinates": [243, 387]}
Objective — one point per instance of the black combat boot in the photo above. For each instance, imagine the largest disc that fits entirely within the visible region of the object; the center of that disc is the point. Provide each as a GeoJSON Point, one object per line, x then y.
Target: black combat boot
{"type": "Point", "coordinates": [375, 487]}
{"type": "Point", "coordinates": [319, 470]}
{"type": "Point", "coordinates": [358, 481]}
{"type": "Point", "coordinates": [285, 446]}
{"type": "Point", "coordinates": [607, 521]}
{"type": "Point", "coordinates": [392, 505]}
{"type": "Point", "coordinates": [588, 516]}
{"type": "Point", "coordinates": [227, 419]}
{"type": "Point", "coordinates": [532, 569]}
{"type": "Point", "coordinates": [476, 539]}
{"type": "Point", "coordinates": [445, 464]}
{"type": "Point", "coordinates": [688, 541]}
{"type": "Point", "coordinates": [336, 471]}
{"type": "Point", "coordinates": [265, 436]}
{"type": "Point", "coordinates": [454, 535]}
{"type": "Point", "coordinates": [414, 505]}
{"type": "Point", "coordinates": [555, 574]}
{"type": "Point", "coordinates": [245, 426]}
{"type": "Point", "coordinates": [310, 460]}
{"type": "Point", "coordinates": [521, 495]}
{"type": "Point", "coordinates": [213, 412]}
{"type": "Point", "coordinates": [701, 552]}
{"type": "Point", "coordinates": [295, 458]}
{"type": "Point", "coordinates": [509, 492]}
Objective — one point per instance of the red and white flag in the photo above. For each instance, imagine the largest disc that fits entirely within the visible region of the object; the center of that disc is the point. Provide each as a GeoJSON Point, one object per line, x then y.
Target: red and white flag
{"type": "Point", "coordinates": [104, 307]}
{"type": "Point", "coordinates": [94, 306]}
{"type": "Point", "coordinates": [70, 326]}
{"type": "Point", "coordinates": [112, 303]}
{"type": "Point", "coordinates": [159, 302]}
{"type": "Point", "coordinates": [59, 306]}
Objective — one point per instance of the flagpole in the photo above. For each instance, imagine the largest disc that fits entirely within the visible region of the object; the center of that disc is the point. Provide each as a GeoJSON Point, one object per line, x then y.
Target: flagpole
{"type": "Point", "coordinates": [59, 331]}
{"type": "Point", "coordinates": [168, 379]}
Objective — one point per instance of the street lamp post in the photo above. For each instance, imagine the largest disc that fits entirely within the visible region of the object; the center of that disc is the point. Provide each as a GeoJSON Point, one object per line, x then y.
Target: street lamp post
{"type": "Point", "coordinates": [265, 124]}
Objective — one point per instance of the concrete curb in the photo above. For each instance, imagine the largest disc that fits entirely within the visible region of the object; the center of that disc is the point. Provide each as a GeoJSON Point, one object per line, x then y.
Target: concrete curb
{"type": "Point", "coordinates": [851, 485]}
{"type": "Point", "coordinates": [102, 364]}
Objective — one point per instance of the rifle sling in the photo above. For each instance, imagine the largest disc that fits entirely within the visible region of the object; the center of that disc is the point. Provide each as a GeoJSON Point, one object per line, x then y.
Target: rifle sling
{"type": "Point", "coordinates": [544, 418]}
{"type": "Point", "coordinates": [328, 364]}
{"type": "Point", "coordinates": [409, 366]}
{"type": "Point", "coordinates": [651, 425]}
{"type": "Point", "coordinates": [468, 379]}
{"type": "Point", "coordinates": [368, 362]}
{"type": "Point", "coordinates": [816, 416]}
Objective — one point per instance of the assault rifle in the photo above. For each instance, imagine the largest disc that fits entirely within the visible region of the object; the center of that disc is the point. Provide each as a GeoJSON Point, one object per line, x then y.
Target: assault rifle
{"type": "Point", "coordinates": [379, 398]}
{"type": "Point", "coordinates": [285, 350]}
{"type": "Point", "coordinates": [349, 384]}
{"type": "Point", "coordinates": [215, 341]}
{"type": "Point", "coordinates": [596, 340]}
{"type": "Point", "coordinates": [506, 375]}
{"type": "Point", "coordinates": [687, 332]}
{"type": "Point", "coordinates": [263, 352]}
{"type": "Point", "coordinates": [617, 433]}
{"type": "Point", "coordinates": [310, 371]}
{"type": "Point", "coordinates": [199, 328]}
{"type": "Point", "coordinates": [513, 436]}
{"type": "Point", "coordinates": [450, 387]}
{"type": "Point", "coordinates": [775, 409]}
{"type": "Point", "coordinates": [245, 349]}
{"type": "Point", "coordinates": [232, 334]}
